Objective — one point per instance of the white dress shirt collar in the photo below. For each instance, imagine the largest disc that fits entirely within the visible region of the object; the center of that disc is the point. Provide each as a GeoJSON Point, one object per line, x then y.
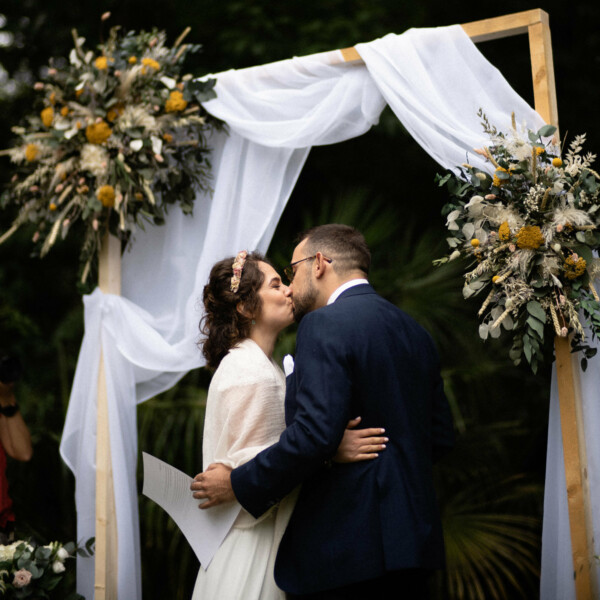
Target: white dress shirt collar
{"type": "Point", "coordinates": [344, 287]}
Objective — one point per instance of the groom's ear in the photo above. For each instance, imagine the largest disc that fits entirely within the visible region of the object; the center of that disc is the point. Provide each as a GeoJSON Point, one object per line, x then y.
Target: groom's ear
{"type": "Point", "coordinates": [320, 265]}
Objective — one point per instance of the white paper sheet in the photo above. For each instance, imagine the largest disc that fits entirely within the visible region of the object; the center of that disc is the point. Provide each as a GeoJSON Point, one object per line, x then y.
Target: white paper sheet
{"type": "Point", "coordinates": [205, 530]}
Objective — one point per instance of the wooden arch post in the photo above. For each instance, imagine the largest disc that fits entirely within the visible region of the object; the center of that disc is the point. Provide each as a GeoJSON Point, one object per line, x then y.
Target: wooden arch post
{"type": "Point", "coordinates": [536, 24]}
{"type": "Point", "coordinates": [106, 552]}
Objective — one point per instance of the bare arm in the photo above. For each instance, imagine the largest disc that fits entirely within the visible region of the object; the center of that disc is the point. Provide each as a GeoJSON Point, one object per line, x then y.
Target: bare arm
{"type": "Point", "coordinates": [14, 434]}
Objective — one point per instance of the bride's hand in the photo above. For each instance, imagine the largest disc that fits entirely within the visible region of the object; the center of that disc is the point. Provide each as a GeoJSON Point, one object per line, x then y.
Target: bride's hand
{"type": "Point", "coordinates": [360, 444]}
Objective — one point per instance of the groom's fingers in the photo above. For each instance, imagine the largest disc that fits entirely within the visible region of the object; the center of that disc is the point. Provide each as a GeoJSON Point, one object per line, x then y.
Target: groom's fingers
{"type": "Point", "coordinates": [353, 423]}
{"type": "Point", "coordinates": [371, 432]}
{"type": "Point", "coordinates": [370, 448]}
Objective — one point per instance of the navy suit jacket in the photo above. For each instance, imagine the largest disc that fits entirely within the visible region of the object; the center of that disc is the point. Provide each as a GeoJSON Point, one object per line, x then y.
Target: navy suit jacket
{"type": "Point", "coordinates": [362, 356]}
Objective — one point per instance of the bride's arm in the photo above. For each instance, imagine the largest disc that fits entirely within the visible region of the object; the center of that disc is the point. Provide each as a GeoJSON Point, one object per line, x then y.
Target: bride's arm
{"type": "Point", "coordinates": [360, 444]}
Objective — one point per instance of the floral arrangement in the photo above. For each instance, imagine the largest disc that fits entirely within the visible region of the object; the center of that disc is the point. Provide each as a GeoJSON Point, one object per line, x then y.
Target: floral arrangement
{"type": "Point", "coordinates": [119, 135]}
{"type": "Point", "coordinates": [530, 229]}
{"type": "Point", "coordinates": [30, 571]}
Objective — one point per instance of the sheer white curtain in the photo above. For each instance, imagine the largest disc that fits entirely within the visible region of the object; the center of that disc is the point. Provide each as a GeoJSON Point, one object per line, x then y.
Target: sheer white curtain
{"type": "Point", "coordinates": [435, 80]}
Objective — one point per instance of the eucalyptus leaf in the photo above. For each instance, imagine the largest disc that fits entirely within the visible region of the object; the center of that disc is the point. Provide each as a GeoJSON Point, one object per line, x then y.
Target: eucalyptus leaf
{"type": "Point", "coordinates": [468, 230]}
{"type": "Point", "coordinates": [495, 332]}
{"type": "Point", "coordinates": [536, 325]}
{"type": "Point", "coordinates": [535, 309]}
{"type": "Point", "coordinates": [496, 312]}
{"type": "Point", "coordinates": [508, 323]}
{"type": "Point", "coordinates": [585, 252]}
{"type": "Point", "coordinates": [546, 131]}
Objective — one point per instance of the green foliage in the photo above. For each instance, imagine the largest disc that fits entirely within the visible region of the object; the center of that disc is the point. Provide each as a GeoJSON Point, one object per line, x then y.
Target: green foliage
{"type": "Point", "coordinates": [43, 313]}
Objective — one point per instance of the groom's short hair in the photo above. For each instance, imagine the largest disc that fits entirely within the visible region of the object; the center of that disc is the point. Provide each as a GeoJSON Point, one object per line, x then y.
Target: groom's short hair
{"type": "Point", "coordinates": [344, 244]}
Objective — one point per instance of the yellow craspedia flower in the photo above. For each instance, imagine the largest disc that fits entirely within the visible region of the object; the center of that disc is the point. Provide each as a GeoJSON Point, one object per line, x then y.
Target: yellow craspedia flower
{"type": "Point", "coordinates": [475, 242]}
{"type": "Point", "coordinates": [574, 266]}
{"type": "Point", "coordinates": [101, 63]}
{"type": "Point", "coordinates": [132, 60]}
{"type": "Point", "coordinates": [106, 195]}
{"type": "Point", "coordinates": [539, 150]}
{"type": "Point", "coordinates": [98, 133]}
{"type": "Point", "coordinates": [495, 278]}
{"type": "Point", "coordinates": [114, 112]}
{"type": "Point", "coordinates": [47, 116]}
{"type": "Point", "coordinates": [175, 102]}
{"type": "Point", "coordinates": [167, 137]}
{"type": "Point", "coordinates": [64, 111]}
{"type": "Point", "coordinates": [31, 152]}
{"type": "Point", "coordinates": [52, 206]}
{"type": "Point", "coordinates": [497, 182]}
{"type": "Point", "coordinates": [504, 231]}
{"type": "Point", "coordinates": [150, 63]}
{"type": "Point", "coordinates": [557, 162]}
{"type": "Point", "coordinates": [530, 237]}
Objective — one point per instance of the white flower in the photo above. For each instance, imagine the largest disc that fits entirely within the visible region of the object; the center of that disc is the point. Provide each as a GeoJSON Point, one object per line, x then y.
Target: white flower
{"type": "Point", "coordinates": [94, 159]}
{"type": "Point", "coordinates": [136, 116]}
{"type": "Point", "coordinates": [7, 552]}
{"type": "Point", "coordinates": [454, 255]}
{"type": "Point", "coordinates": [58, 567]}
{"type": "Point", "coordinates": [62, 554]}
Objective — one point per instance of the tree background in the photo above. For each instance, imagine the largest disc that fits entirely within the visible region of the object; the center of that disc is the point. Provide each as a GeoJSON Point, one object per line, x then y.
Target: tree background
{"type": "Point", "coordinates": [383, 183]}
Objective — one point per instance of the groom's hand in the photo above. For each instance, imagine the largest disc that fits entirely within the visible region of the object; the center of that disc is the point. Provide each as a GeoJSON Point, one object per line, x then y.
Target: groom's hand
{"type": "Point", "coordinates": [214, 485]}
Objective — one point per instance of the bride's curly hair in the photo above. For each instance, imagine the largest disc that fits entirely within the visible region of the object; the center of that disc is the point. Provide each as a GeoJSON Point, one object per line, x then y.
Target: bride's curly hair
{"type": "Point", "coordinates": [223, 325]}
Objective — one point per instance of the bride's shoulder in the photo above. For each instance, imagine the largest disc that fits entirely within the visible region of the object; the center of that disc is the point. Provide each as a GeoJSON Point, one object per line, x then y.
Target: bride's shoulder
{"type": "Point", "coordinates": [244, 364]}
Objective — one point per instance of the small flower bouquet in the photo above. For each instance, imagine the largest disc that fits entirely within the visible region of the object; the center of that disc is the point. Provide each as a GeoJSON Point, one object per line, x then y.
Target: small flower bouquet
{"type": "Point", "coordinates": [29, 571]}
{"type": "Point", "coordinates": [119, 135]}
{"type": "Point", "coordinates": [530, 229]}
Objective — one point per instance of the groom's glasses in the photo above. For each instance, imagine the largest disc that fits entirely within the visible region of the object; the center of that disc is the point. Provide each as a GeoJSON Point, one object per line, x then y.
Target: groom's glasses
{"type": "Point", "coordinates": [289, 270]}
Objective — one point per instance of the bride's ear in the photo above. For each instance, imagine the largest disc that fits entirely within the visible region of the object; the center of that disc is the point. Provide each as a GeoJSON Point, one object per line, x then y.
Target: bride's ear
{"type": "Point", "coordinates": [242, 310]}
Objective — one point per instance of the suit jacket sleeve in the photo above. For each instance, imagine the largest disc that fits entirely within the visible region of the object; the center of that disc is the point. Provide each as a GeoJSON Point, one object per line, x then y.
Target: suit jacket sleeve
{"type": "Point", "coordinates": [322, 402]}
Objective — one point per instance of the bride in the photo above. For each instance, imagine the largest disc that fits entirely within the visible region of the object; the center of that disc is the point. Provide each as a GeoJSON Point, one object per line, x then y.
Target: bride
{"type": "Point", "coordinates": [246, 307]}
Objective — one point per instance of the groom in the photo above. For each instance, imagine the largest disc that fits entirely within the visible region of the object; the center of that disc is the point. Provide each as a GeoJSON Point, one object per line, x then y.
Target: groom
{"type": "Point", "coordinates": [360, 528]}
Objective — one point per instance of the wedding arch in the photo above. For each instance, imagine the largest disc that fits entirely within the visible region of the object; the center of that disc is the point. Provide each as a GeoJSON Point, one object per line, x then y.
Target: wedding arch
{"type": "Point", "coordinates": [141, 323]}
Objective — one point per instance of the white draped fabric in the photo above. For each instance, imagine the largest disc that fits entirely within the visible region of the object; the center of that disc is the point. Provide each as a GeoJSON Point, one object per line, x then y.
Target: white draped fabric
{"type": "Point", "coordinates": [435, 80]}
{"type": "Point", "coordinates": [557, 561]}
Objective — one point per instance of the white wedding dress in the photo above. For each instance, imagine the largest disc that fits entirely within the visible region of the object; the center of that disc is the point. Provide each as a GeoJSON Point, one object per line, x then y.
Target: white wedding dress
{"type": "Point", "coordinates": [244, 415]}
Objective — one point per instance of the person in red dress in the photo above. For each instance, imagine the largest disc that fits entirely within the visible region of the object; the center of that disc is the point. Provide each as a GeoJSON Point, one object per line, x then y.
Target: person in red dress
{"type": "Point", "coordinates": [15, 441]}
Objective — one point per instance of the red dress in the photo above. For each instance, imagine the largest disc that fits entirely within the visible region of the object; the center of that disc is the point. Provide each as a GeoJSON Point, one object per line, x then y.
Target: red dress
{"type": "Point", "coordinates": [6, 513]}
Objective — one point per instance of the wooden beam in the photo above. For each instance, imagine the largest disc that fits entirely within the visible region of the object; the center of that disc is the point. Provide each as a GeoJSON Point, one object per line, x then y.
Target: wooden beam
{"type": "Point", "coordinates": [505, 26]}
{"type": "Point", "coordinates": [542, 72]}
{"type": "Point", "coordinates": [567, 367]}
{"type": "Point", "coordinates": [493, 29]}
{"type": "Point", "coordinates": [106, 553]}
{"type": "Point", "coordinates": [578, 491]}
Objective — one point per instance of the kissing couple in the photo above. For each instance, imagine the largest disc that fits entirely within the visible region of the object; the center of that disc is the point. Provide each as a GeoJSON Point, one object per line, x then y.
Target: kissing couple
{"type": "Point", "coordinates": [328, 511]}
